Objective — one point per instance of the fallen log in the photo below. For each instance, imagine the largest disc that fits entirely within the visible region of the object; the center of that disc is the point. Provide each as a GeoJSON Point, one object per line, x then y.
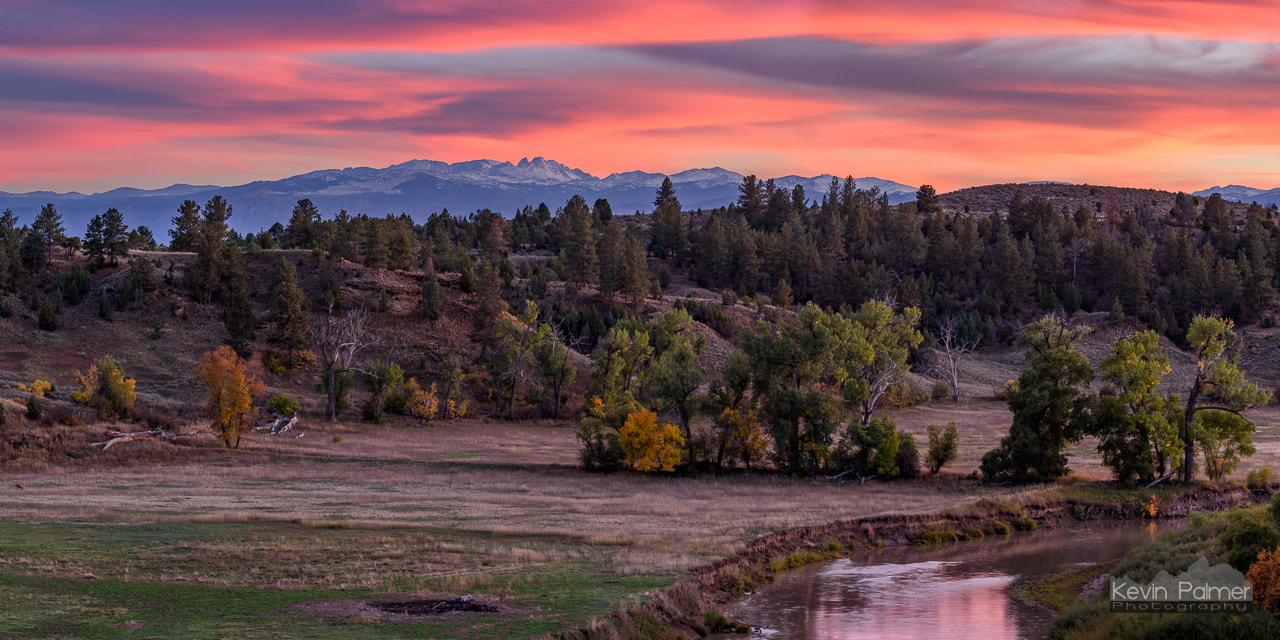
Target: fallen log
{"type": "Point", "coordinates": [116, 437]}
{"type": "Point", "coordinates": [126, 436]}
{"type": "Point", "coordinates": [280, 425]}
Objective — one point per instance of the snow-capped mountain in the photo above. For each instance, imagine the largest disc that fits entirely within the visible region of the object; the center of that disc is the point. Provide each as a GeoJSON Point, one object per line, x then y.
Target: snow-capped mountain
{"type": "Point", "coordinates": [1239, 193]}
{"type": "Point", "coordinates": [419, 188]}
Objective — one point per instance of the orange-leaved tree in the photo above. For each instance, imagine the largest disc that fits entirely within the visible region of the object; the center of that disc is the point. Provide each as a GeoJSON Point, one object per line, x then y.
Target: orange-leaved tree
{"type": "Point", "coordinates": [232, 388]}
{"type": "Point", "coordinates": [649, 446]}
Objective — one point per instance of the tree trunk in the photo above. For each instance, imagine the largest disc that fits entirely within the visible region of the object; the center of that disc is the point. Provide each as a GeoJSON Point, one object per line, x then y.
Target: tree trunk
{"type": "Point", "coordinates": [1189, 450]}
{"type": "Point", "coordinates": [331, 402]}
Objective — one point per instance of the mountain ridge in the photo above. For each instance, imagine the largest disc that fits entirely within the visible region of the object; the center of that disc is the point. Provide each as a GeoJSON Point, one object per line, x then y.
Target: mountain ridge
{"type": "Point", "coordinates": [418, 187]}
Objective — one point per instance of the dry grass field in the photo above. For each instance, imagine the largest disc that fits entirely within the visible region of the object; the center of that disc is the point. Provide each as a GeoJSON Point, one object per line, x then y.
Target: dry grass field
{"type": "Point", "coordinates": [295, 536]}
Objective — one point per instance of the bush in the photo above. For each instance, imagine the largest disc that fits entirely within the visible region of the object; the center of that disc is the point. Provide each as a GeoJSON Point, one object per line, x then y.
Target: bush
{"type": "Point", "coordinates": [940, 391]}
{"type": "Point", "coordinates": [973, 533]}
{"type": "Point", "coordinates": [283, 405]}
{"type": "Point", "coordinates": [1247, 535]}
{"type": "Point", "coordinates": [1026, 524]}
{"type": "Point", "coordinates": [908, 456]}
{"type": "Point", "coordinates": [1275, 509]}
{"type": "Point", "coordinates": [943, 447]}
{"type": "Point", "coordinates": [105, 389]}
{"type": "Point", "coordinates": [48, 316]}
{"type": "Point", "coordinates": [1259, 478]}
{"type": "Point", "coordinates": [35, 408]}
{"type": "Point", "coordinates": [649, 446]}
{"type": "Point", "coordinates": [997, 528]}
{"type": "Point", "coordinates": [937, 537]}
{"type": "Point", "coordinates": [1264, 576]}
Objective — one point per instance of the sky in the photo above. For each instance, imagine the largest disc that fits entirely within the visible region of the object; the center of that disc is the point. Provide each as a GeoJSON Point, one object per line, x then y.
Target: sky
{"type": "Point", "coordinates": [147, 93]}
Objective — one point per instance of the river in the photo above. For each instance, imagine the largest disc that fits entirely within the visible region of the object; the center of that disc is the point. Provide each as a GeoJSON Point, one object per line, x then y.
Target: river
{"type": "Point", "coordinates": [956, 591]}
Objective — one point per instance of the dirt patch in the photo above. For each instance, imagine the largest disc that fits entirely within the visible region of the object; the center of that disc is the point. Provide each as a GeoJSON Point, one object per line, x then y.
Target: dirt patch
{"type": "Point", "coordinates": [436, 606]}
{"type": "Point", "coordinates": [396, 611]}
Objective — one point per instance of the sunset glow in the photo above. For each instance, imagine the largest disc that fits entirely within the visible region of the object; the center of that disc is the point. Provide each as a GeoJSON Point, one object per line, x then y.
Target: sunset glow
{"type": "Point", "coordinates": [143, 93]}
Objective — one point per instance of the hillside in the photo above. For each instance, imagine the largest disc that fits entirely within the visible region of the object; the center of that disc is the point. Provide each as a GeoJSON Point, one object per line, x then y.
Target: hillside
{"type": "Point", "coordinates": [992, 197]}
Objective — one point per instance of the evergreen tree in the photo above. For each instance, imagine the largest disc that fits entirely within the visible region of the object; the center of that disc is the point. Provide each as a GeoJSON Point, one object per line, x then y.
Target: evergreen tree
{"type": "Point", "coordinates": [186, 227]}
{"type": "Point", "coordinates": [667, 230]}
{"type": "Point", "coordinates": [47, 229]}
{"type": "Point", "coordinates": [927, 200]}
{"type": "Point", "coordinates": [579, 242]}
{"type": "Point", "coordinates": [115, 238]}
{"type": "Point", "coordinates": [94, 242]}
{"type": "Point", "coordinates": [205, 275]}
{"type": "Point", "coordinates": [289, 317]}
{"type": "Point", "coordinates": [303, 223]}
{"type": "Point", "coordinates": [237, 316]}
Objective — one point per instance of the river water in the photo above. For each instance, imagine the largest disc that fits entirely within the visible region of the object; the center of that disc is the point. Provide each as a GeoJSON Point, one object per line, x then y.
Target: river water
{"type": "Point", "coordinates": [956, 591]}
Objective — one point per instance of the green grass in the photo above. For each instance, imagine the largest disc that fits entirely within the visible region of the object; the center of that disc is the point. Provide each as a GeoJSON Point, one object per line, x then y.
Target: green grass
{"type": "Point", "coordinates": [1058, 591]}
{"type": "Point", "coordinates": [214, 580]}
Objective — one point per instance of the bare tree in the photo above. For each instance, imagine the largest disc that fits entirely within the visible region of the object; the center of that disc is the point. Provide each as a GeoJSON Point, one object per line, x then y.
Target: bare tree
{"type": "Point", "coordinates": [1074, 251]}
{"type": "Point", "coordinates": [340, 339]}
{"type": "Point", "coordinates": [953, 345]}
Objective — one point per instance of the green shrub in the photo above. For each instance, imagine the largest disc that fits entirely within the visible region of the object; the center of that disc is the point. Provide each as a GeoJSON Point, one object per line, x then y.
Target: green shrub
{"type": "Point", "coordinates": [48, 316]}
{"type": "Point", "coordinates": [937, 537]}
{"type": "Point", "coordinates": [996, 527]}
{"type": "Point", "coordinates": [940, 391]}
{"type": "Point", "coordinates": [908, 456]}
{"type": "Point", "coordinates": [284, 405]}
{"type": "Point", "coordinates": [1275, 508]}
{"type": "Point", "coordinates": [1247, 535]}
{"type": "Point", "coordinates": [35, 408]}
{"type": "Point", "coordinates": [943, 447]}
{"type": "Point", "coordinates": [1026, 524]}
{"type": "Point", "coordinates": [1259, 478]}
{"type": "Point", "coordinates": [973, 533]}
{"type": "Point", "coordinates": [834, 546]}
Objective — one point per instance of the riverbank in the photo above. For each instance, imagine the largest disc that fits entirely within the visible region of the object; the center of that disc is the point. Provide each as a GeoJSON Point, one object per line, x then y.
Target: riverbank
{"type": "Point", "coordinates": [679, 609]}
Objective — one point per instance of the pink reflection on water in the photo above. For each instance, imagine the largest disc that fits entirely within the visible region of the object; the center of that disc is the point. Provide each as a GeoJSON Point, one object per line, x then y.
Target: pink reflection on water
{"type": "Point", "coordinates": [919, 600]}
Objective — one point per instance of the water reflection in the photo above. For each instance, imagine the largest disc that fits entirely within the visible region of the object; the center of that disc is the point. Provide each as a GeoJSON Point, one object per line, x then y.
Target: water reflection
{"type": "Point", "coordinates": [954, 591]}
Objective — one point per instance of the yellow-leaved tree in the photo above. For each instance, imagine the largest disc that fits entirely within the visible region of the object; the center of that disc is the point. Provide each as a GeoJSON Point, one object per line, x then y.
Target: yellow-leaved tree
{"type": "Point", "coordinates": [422, 403]}
{"type": "Point", "coordinates": [649, 446]}
{"type": "Point", "coordinates": [105, 389]}
{"type": "Point", "coordinates": [232, 388]}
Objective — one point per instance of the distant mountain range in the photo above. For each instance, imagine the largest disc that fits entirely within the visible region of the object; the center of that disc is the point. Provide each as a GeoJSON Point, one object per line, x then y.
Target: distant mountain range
{"type": "Point", "coordinates": [418, 188]}
{"type": "Point", "coordinates": [1244, 194]}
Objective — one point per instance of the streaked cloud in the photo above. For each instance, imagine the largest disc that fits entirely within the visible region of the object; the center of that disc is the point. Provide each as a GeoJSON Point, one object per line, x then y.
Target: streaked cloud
{"type": "Point", "coordinates": [1171, 94]}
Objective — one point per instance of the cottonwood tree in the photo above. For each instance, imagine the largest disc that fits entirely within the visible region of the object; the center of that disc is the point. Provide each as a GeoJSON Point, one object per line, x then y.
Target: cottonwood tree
{"type": "Point", "coordinates": [340, 340]}
{"type": "Point", "coordinates": [674, 379]}
{"type": "Point", "coordinates": [554, 369]}
{"type": "Point", "coordinates": [877, 359]}
{"type": "Point", "coordinates": [1133, 421]}
{"type": "Point", "coordinates": [953, 341]}
{"type": "Point", "coordinates": [1218, 384]}
{"type": "Point", "coordinates": [793, 368]}
{"type": "Point", "coordinates": [231, 392]}
{"type": "Point", "coordinates": [518, 338]}
{"type": "Point", "coordinates": [1049, 402]}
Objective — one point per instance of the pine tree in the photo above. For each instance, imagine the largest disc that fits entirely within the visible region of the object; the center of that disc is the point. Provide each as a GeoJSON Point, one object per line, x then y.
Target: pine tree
{"type": "Point", "coordinates": [288, 309]}
{"type": "Point", "coordinates": [580, 241]}
{"type": "Point", "coordinates": [301, 232]}
{"type": "Point", "coordinates": [94, 244]}
{"type": "Point", "coordinates": [186, 227]}
{"type": "Point", "coordinates": [667, 231]}
{"type": "Point", "coordinates": [48, 230]}
{"type": "Point", "coordinates": [238, 314]}
{"type": "Point", "coordinates": [203, 278]}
